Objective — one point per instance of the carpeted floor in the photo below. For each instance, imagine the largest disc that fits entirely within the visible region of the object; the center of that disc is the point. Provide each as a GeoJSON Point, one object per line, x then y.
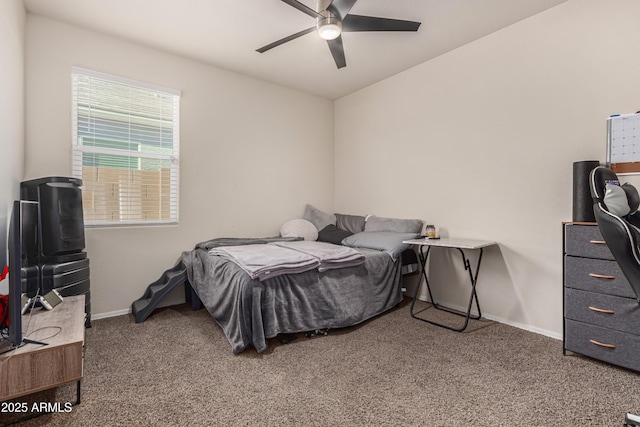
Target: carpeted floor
{"type": "Point", "coordinates": [177, 369]}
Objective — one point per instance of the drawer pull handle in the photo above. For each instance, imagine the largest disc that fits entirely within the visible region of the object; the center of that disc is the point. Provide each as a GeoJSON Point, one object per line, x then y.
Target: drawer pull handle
{"type": "Point", "coordinates": [601, 310]}
{"type": "Point", "coordinates": [598, 242]}
{"type": "Point", "coordinates": [611, 346]}
{"type": "Point", "coordinates": [601, 276]}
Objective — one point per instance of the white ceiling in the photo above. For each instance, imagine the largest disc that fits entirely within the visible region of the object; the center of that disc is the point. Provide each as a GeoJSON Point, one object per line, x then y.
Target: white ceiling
{"type": "Point", "coordinates": [226, 33]}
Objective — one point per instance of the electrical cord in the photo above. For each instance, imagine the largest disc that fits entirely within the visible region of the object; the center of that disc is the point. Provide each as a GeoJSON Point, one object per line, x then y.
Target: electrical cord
{"type": "Point", "coordinates": [59, 329]}
{"type": "Point", "coordinates": [33, 305]}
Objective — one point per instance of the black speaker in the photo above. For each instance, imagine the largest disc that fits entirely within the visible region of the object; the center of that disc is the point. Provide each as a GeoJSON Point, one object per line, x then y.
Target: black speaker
{"type": "Point", "coordinates": [60, 230]}
{"type": "Point", "coordinates": [582, 201]}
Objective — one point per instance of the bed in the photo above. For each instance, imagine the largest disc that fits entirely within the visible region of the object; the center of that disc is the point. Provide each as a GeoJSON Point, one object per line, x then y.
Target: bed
{"type": "Point", "coordinates": [250, 311]}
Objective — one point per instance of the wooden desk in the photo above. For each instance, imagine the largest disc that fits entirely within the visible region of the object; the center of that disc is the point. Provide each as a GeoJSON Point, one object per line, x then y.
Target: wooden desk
{"type": "Point", "coordinates": [34, 367]}
{"type": "Point", "coordinates": [460, 245]}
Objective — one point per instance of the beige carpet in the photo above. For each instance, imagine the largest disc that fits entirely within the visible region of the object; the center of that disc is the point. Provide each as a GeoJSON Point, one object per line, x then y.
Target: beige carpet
{"type": "Point", "coordinates": [177, 369]}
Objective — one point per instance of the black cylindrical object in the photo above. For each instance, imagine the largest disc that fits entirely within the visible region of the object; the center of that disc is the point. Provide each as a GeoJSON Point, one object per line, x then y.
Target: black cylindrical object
{"type": "Point", "coordinates": [54, 239]}
{"type": "Point", "coordinates": [60, 237]}
{"type": "Point", "coordinates": [582, 201]}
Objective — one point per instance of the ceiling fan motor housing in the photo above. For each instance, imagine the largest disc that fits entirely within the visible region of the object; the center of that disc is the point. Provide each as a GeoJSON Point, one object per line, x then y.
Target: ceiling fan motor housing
{"type": "Point", "coordinates": [323, 5]}
{"type": "Point", "coordinates": [329, 27]}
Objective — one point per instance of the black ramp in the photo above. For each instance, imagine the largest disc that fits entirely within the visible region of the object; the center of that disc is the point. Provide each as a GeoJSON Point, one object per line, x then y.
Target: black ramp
{"type": "Point", "coordinates": [142, 307]}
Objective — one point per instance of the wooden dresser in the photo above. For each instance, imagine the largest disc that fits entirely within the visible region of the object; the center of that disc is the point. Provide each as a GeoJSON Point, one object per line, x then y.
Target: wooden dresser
{"type": "Point", "coordinates": [34, 367]}
{"type": "Point", "coordinates": [601, 313]}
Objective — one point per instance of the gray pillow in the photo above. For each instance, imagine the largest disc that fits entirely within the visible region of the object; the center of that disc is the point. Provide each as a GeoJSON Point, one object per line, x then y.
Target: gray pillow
{"type": "Point", "coordinates": [615, 198]}
{"type": "Point", "coordinates": [317, 217]}
{"type": "Point", "coordinates": [376, 223]}
{"type": "Point", "coordinates": [352, 223]}
{"type": "Point", "coordinates": [387, 241]}
{"type": "Point", "coordinates": [333, 234]}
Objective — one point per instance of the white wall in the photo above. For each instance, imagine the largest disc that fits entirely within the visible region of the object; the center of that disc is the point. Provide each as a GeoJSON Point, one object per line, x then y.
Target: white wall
{"type": "Point", "coordinates": [12, 27]}
{"type": "Point", "coordinates": [248, 158]}
{"type": "Point", "coordinates": [481, 142]}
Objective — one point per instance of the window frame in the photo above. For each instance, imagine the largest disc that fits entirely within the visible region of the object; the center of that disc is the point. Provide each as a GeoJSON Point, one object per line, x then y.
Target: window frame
{"type": "Point", "coordinates": [78, 150]}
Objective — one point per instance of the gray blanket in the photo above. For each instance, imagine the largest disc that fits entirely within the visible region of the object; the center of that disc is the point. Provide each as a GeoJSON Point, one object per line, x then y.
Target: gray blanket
{"type": "Point", "coordinates": [264, 261]}
{"type": "Point", "coordinates": [329, 256]}
{"type": "Point", "coordinates": [250, 311]}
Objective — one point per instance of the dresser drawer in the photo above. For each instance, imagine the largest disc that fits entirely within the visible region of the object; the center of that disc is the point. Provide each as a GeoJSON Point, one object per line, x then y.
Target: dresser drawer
{"type": "Point", "coordinates": [596, 275]}
{"type": "Point", "coordinates": [585, 241]}
{"type": "Point", "coordinates": [622, 314]}
{"type": "Point", "coordinates": [604, 344]}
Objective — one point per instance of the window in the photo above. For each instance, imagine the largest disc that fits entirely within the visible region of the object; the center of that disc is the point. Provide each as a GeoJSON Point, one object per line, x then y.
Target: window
{"type": "Point", "coordinates": [125, 149]}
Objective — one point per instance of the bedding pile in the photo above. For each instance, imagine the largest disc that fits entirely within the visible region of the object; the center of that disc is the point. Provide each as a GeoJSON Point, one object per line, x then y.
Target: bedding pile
{"type": "Point", "coordinates": [329, 256]}
{"type": "Point", "coordinates": [264, 261]}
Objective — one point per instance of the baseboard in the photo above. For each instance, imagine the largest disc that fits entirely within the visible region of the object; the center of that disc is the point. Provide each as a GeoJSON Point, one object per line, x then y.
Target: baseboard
{"type": "Point", "coordinates": [522, 326]}
{"type": "Point", "coordinates": [110, 314]}
{"type": "Point", "coordinates": [529, 328]}
{"type": "Point", "coordinates": [128, 310]}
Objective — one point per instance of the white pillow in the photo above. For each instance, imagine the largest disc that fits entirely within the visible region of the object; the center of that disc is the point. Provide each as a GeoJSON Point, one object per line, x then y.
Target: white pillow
{"type": "Point", "coordinates": [299, 228]}
{"type": "Point", "coordinates": [615, 198]}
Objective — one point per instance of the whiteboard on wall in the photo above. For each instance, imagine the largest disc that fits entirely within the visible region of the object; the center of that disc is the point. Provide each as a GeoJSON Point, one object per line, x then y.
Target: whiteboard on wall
{"type": "Point", "coordinates": [623, 143]}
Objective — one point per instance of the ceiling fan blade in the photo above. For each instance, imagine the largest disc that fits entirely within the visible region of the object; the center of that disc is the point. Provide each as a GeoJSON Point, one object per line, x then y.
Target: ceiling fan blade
{"type": "Point", "coordinates": [337, 50]}
{"type": "Point", "coordinates": [341, 7]}
{"type": "Point", "coordinates": [303, 8]}
{"type": "Point", "coordinates": [371, 23]}
{"type": "Point", "coordinates": [263, 49]}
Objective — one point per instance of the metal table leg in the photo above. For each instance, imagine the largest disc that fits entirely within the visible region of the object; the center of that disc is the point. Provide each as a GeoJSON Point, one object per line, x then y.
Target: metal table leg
{"type": "Point", "coordinates": [473, 278]}
{"type": "Point", "coordinates": [78, 392]}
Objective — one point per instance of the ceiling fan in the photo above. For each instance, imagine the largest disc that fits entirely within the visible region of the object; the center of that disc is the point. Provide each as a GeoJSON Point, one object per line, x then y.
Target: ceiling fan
{"type": "Point", "coordinates": [333, 18]}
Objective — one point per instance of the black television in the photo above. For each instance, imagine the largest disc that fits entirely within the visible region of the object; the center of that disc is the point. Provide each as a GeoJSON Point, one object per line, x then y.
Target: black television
{"type": "Point", "coordinates": [14, 307]}
{"type": "Point", "coordinates": [22, 218]}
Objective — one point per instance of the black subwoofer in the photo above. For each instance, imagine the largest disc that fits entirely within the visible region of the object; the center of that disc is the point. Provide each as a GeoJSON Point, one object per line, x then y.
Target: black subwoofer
{"type": "Point", "coordinates": [582, 201]}
{"type": "Point", "coordinates": [60, 232]}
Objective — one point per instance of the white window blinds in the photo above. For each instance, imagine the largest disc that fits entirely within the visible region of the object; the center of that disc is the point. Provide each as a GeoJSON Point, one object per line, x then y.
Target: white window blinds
{"type": "Point", "coordinates": [125, 149]}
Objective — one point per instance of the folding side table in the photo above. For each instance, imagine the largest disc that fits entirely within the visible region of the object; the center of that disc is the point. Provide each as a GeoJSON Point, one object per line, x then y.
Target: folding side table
{"type": "Point", "coordinates": [460, 245]}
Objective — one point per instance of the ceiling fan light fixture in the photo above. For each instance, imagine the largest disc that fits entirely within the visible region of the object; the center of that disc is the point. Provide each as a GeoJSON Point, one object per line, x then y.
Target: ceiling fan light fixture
{"type": "Point", "coordinates": [329, 28]}
{"type": "Point", "coordinates": [329, 15]}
